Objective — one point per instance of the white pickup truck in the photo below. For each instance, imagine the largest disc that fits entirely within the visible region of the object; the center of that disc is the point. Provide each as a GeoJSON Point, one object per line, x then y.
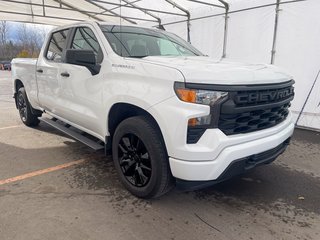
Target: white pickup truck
{"type": "Point", "coordinates": [169, 114]}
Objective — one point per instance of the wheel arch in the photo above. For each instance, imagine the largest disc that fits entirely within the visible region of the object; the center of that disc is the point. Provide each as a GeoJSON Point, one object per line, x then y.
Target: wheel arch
{"type": "Point", "coordinates": [17, 84]}
{"type": "Point", "coordinates": [121, 111]}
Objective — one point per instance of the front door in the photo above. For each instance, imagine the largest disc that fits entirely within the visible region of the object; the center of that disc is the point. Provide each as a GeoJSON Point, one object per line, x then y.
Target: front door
{"type": "Point", "coordinates": [80, 91]}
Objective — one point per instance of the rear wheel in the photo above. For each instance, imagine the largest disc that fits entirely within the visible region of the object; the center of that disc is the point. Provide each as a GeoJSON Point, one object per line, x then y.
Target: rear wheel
{"type": "Point", "coordinates": [25, 109]}
{"type": "Point", "coordinates": [140, 158]}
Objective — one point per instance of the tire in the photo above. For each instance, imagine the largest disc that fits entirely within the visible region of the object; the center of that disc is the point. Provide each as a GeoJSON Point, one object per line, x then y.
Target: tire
{"type": "Point", "coordinates": [25, 109]}
{"type": "Point", "coordinates": [140, 158]}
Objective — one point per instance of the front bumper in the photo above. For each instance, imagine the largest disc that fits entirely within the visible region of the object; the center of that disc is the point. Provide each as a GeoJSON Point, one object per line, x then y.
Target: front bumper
{"type": "Point", "coordinates": [237, 167]}
{"type": "Point", "coordinates": [231, 151]}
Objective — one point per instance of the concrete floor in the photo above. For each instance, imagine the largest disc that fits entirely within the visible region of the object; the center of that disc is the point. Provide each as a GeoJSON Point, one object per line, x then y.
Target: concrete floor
{"type": "Point", "coordinates": [87, 201]}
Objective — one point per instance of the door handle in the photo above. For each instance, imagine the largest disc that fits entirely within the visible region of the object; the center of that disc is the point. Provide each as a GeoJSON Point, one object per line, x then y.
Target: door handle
{"type": "Point", "coordinates": [39, 70]}
{"type": "Point", "coordinates": [65, 74]}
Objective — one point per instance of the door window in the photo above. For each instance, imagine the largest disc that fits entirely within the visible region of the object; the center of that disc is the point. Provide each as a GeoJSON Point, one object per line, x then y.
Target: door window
{"type": "Point", "coordinates": [85, 39]}
{"type": "Point", "coordinates": [57, 45]}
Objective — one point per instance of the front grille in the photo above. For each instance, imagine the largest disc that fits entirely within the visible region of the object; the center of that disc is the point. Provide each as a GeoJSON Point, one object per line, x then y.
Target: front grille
{"type": "Point", "coordinates": [254, 109]}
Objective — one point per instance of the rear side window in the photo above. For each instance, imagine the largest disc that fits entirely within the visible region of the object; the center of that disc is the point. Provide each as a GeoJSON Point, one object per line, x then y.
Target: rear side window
{"type": "Point", "coordinates": [57, 45]}
{"type": "Point", "coordinates": [85, 39]}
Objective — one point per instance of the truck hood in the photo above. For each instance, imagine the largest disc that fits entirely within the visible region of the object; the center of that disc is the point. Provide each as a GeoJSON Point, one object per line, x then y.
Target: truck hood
{"type": "Point", "coordinates": [201, 69]}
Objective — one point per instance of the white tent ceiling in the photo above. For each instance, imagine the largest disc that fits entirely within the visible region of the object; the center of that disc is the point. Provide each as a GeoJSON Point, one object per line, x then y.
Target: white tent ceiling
{"type": "Point", "coordinates": [57, 12]}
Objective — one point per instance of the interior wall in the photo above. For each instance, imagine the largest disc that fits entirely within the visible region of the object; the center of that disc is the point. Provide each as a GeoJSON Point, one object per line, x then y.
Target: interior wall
{"type": "Point", "coordinates": [207, 35]}
{"type": "Point", "coordinates": [298, 51]}
{"type": "Point", "coordinates": [250, 35]}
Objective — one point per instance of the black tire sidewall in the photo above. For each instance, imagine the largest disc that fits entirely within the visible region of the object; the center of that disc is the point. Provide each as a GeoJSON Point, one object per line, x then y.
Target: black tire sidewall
{"type": "Point", "coordinates": [155, 148]}
{"type": "Point", "coordinates": [31, 120]}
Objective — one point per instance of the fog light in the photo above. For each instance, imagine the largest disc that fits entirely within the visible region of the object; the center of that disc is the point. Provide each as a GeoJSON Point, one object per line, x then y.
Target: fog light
{"type": "Point", "coordinates": [199, 121]}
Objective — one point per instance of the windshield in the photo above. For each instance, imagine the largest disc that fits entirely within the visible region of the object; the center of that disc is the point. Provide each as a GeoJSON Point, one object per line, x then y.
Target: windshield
{"type": "Point", "coordinates": [138, 42]}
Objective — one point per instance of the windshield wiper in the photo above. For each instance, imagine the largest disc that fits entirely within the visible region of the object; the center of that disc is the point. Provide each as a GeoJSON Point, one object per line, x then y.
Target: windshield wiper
{"type": "Point", "coordinates": [138, 56]}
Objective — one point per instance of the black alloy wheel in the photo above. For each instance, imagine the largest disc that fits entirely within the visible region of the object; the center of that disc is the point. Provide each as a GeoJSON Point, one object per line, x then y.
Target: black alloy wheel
{"type": "Point", "coordinates": [22, 107]}
{"type": "Point", "coordinates": [140, 157]}
{"type": "Point", "coordinates": [134, 160]}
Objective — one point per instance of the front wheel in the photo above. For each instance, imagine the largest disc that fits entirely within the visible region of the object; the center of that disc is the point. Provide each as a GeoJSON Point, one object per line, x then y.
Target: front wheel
{"type": "Point", "coordinates": [140, 158]}
{"type": "Point", "coordinates": [24, 107]}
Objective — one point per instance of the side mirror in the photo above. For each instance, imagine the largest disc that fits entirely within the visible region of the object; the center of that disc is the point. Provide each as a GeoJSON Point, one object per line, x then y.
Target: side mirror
{"type": "Point", "coordinates": [84, 58]}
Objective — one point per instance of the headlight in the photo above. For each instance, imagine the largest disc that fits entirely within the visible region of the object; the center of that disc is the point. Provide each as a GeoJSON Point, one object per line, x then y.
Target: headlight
{"type": "Point", "coordinates": [206, 97]}
{"type": "Point", "coordinates": [200, 96]}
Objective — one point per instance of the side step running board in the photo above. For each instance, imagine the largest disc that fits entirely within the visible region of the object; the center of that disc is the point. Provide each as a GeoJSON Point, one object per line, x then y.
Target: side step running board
{"type": "Point", "coordinates": [67, 130]}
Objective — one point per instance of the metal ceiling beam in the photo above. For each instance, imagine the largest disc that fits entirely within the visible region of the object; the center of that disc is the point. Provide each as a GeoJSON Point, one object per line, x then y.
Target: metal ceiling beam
{"type": "Point", "coordinates": [146, 12]}
{"type": "Point", "coordinates": [225, 34]}
{"type": "Point", "coordinates": [114, 8]}
{"type": "Point", "coordinates": [235, 11]}
{"type": "Point", "coordinates": [206, 3]}
{"type": "Point", "coordinates": [110, 11]}
{"type": "Point", "coordinates": [31, 10]}
{"type": "Point", "coordinates": [70, 9]}
{"type": "Point", "coordinates": [78, 9]}
{"type": "Point", "coordinates": [145, 9]}
{"type": "Point", "coordinates": [174, 4]}
{"type": "Point", "coordinates": [125, 4]}
{"type": "Point", "coordinates": [225, 4]}
{"type": "Point", "coordinates": [275, 32]}
{"type": "Point", "coordinates": [39, 15]}
{"type": "Point", "coordinates": [43, 9]}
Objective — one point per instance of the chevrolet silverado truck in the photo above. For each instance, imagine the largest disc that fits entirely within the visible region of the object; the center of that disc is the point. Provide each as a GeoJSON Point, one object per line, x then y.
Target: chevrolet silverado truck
{"type": "Point", "coordinates": [169, 115]}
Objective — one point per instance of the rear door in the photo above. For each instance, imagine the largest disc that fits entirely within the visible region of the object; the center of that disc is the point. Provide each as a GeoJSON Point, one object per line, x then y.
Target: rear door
{"type": "Point", "coordinates": [48, 71]}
